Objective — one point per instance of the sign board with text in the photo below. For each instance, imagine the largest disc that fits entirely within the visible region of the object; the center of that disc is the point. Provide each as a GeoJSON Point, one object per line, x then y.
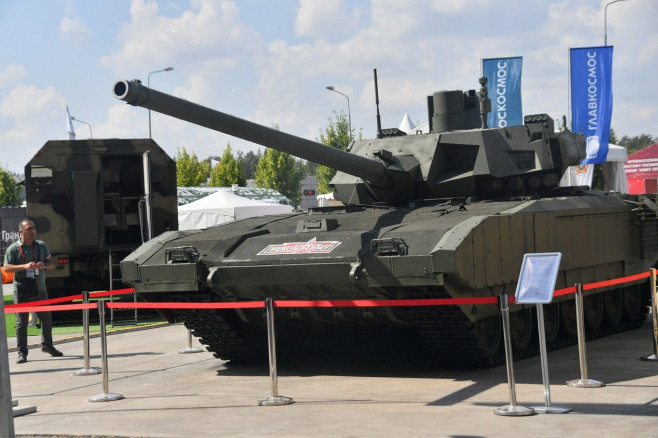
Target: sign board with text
{"type": "Point", "coordinates": [537, 278]}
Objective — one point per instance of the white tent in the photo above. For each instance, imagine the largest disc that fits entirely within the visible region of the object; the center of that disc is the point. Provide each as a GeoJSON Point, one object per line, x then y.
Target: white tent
{"type": "Point", "coordinates": [223, 206]}
{"type": "Point", "coordinates": [614, 175]}
{"type": "Point", "coordinates": [406, 124]}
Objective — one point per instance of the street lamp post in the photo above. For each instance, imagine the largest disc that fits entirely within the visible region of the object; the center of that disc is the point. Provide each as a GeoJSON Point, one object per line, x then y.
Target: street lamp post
{"type": "Point", "coordinates": [349, 114]}
{"type": "Point", "coordinates": [80, 121]}
{"type": "Point", "coordinates": [148, 83]}
{"type": "Point", "coordinates": [605, 21]}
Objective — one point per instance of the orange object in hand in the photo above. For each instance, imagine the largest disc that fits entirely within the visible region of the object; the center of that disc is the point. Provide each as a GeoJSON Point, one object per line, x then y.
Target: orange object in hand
{"type": "Point", "coordinates": [7, 277]}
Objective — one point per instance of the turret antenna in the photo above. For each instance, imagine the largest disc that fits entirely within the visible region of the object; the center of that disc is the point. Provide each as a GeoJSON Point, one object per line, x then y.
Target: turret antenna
{"type": "Point", "coordinates": [379, 120]}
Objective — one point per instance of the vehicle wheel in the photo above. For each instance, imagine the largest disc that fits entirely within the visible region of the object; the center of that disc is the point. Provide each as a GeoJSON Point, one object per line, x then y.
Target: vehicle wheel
{"type": "Point", "coordinates": [488, 332]}
{"type": "Point", "coordinates": [633, 303]}
{"type": "Point", "coordinates": [593, 308]}
{"type": "Point", "coordinates": [551, 322]}
{"type": "Point", "coordinates": [568, 318]}
{"type": "Point", "coordinates": [613, 303]}
{"type": "Point", "coordinates": [521, 329]}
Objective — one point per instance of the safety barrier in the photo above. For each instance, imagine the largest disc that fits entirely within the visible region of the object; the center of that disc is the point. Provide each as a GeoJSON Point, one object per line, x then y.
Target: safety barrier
{"type": "Point", "coordinates": [269, 305]}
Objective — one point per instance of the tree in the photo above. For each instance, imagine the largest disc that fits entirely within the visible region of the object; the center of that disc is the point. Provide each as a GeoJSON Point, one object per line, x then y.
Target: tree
{"type": "Point", "coordinates": [228, 171]}
{"type": "Point", "coordinates": [336, 135]}
{"type": "Point", "coordinates": [249, 163]}
{"type": "Point", "coordinates": [634, 144]}
{"type": "Point", "coordinates": [189, 171]}
{"type": "Point", "coordinates": [282, 172]}
{"type": "Point", "coordinates": [10, 192]}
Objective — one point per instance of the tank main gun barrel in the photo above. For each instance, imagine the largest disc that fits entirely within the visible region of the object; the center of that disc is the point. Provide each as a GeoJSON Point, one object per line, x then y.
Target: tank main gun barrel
{"type": "Point", "coordinates": [136, 94]}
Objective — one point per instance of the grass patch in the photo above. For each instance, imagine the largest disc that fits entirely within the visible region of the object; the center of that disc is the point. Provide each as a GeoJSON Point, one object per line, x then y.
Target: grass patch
{"type": "Point", "coordinates": [65, 328]}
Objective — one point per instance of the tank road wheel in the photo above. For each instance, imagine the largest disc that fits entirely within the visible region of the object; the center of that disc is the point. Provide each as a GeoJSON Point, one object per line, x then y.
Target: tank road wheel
{"type": "Point", "coordinates": [613, 303]}
{"type": "Point", "coordinates": [568, 318]}
{"type": "Point", "coordinates": [551, 322]}
{"type": "Point", "coordinates": [593, 305]}
{"type": "Point", "coordinates": [633, 303]}
{"type": "Point", "coordinates": [488, 332]}
{"type": "Point", "coordinates": [521, 330]}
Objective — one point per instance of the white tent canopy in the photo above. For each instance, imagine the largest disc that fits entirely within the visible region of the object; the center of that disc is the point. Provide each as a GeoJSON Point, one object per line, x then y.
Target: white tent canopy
{"type": "Point", "coordinates": [614, 175]}
{"type": "Point", "coordinates": [223, 206]}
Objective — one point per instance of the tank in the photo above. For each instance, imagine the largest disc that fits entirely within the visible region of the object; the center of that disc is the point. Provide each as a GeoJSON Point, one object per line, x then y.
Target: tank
{"type": "Point", "coordinates": [446, 214]}
{"type": "Point", "coordinates": [94, 202]}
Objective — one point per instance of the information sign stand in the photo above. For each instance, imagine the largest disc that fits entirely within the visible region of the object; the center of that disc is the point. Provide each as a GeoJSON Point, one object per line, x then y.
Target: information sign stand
{"type": "Point", "coordinates": [536, 285]}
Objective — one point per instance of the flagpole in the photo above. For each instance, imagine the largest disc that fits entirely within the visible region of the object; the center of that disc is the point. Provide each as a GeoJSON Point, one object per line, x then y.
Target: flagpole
{"type": "Point", "coordinates": [570, 127]}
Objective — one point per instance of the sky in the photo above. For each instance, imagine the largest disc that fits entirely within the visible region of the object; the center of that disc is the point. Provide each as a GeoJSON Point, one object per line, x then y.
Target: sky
{"type": "Point", "coordinates": [270, 61]}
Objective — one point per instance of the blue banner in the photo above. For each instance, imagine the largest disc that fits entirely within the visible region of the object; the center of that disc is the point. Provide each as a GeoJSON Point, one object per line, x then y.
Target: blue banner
{"type": "Point", "coordinates": [591, 98]}
{"type": "Point", "coordinates": [504, 85]}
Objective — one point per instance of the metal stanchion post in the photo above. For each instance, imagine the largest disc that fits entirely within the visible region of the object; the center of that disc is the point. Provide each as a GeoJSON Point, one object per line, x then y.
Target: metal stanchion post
{"type": "Point", "coordinates": [189, 348]}
{"type": "Point", "coordinates": [654, 314]}
{"type": "Point", "coordinates": [106, 395]}
{"type": "Point", "coordinates": [87, 370]}
{"type": "Point", "coordinates": [548, 409]}
{"type": "Point", "coordinates": [584, 381]}
{"type": "Point", "coordinates": [6, 404]}
{"type": "Point", "coordinates": [512, 409]}
{"type": "Point", "coordinates": [275, 399]}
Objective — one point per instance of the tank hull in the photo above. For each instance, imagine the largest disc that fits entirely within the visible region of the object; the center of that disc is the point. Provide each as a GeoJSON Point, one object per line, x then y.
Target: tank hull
{"type": "Point", "coordinates": [440, 249]}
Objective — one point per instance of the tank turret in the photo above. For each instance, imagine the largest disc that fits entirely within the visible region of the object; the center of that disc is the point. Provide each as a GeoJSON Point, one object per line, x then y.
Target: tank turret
{"type": "Point", "coordinates": [458, 159]}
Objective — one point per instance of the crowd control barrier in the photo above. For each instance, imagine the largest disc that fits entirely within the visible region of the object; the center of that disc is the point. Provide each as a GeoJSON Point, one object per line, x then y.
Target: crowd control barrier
{"type": "Point", "coordinates": [87, 370]}
{"type": "Point", "coordinates": [584, 381]}
{"type": "Point", "coordinates": [189, 349]}
{"type": "Point", "coordinates": [270, 305]}
{"type": "Point", "coordinates": [654, 314]}
{"type": "Point", "coordinates": [106, 395]}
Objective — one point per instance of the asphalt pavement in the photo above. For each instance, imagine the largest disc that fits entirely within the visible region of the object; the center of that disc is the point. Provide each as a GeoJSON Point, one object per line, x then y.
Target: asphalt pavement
{"type": "Point", "coordinates": [349, 393]}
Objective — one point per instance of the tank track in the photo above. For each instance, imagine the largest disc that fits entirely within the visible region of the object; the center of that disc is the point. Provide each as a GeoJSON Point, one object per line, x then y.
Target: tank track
{"type": "Point", "coordinates": [448, 335]}
{"type": "Point", "coordinates": [212, 328]}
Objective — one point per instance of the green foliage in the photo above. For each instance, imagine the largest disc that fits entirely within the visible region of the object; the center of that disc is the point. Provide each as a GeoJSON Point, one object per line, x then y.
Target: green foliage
{"type": "Point", "coordinates": [613, 137]}
{"type": "Point", "coordinates": [336, 135]}
{"type": "Point", "coordinates": [634, 144]}
{"type": "Point", "coordinates": [228, 171]}
{"type": "Point", "coordinates": [281, 172]}
{"type": "Point", "coordinates": [10, 193]}
{"type": "Point", "coordinates": [189, 171]}
{"type": "Point", "coordinates": [249, 163]}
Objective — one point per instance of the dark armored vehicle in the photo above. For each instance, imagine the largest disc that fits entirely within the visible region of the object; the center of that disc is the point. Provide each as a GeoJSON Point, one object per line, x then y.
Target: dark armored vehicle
{"type": "Point", "coordinates": [95, 201]}
{"type": "Point", "coordinates": [445, 214]}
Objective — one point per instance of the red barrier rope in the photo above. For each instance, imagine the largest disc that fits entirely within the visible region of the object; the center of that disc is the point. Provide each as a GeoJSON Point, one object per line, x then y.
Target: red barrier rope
{"type": "Point", "coordinates": [615, 281]}
{"type": "Point", "coordinates": [43, 305]}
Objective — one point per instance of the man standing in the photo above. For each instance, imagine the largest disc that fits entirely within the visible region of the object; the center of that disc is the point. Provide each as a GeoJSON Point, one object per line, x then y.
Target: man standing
{"type": "Point", "coordinates": [28, 259]}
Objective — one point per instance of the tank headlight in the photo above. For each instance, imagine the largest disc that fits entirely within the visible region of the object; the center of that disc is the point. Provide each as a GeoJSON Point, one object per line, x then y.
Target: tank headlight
{"type": "Point", "coordinates": [181, 254]}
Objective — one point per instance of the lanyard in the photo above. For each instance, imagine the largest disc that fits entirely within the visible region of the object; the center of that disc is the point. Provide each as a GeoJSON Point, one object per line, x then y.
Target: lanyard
{"type": "Point", "coordinates": [34, 253]}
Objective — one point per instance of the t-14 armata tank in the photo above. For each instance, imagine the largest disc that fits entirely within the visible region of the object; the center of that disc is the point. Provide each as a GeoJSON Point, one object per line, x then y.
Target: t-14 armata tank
{"type": "Point", "coordinates": [445, 214]}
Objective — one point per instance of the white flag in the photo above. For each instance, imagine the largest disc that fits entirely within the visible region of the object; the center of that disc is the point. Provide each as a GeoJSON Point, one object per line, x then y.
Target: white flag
{"type": "Point", "coordinates": [69, 124]}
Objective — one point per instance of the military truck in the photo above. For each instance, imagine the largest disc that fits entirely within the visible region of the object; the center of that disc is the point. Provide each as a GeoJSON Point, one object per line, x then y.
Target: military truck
{"type": "Point", "coordinates": [448, 214]}
{"type": "Point", "coordinates": [93, 202]}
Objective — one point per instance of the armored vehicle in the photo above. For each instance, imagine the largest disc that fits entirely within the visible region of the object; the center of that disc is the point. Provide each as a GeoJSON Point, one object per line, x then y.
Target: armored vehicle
{"type": "Point", "coordinates": [445, 214]}
{"type": "Point", "coordinates": [95, 201]}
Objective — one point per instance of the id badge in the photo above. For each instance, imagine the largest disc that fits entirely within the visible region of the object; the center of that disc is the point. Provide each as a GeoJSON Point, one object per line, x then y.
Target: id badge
{"type": "Point", "coordinates": [29, 273]}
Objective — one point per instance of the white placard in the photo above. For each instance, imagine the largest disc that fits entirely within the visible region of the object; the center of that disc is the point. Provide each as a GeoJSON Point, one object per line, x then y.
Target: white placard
{"type": "Point", "coordinates": [537, 278]}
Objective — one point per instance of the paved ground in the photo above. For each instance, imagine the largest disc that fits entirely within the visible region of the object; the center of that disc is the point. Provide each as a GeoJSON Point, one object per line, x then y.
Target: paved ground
{"type": "Point", "coordinates": [354, 395]}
